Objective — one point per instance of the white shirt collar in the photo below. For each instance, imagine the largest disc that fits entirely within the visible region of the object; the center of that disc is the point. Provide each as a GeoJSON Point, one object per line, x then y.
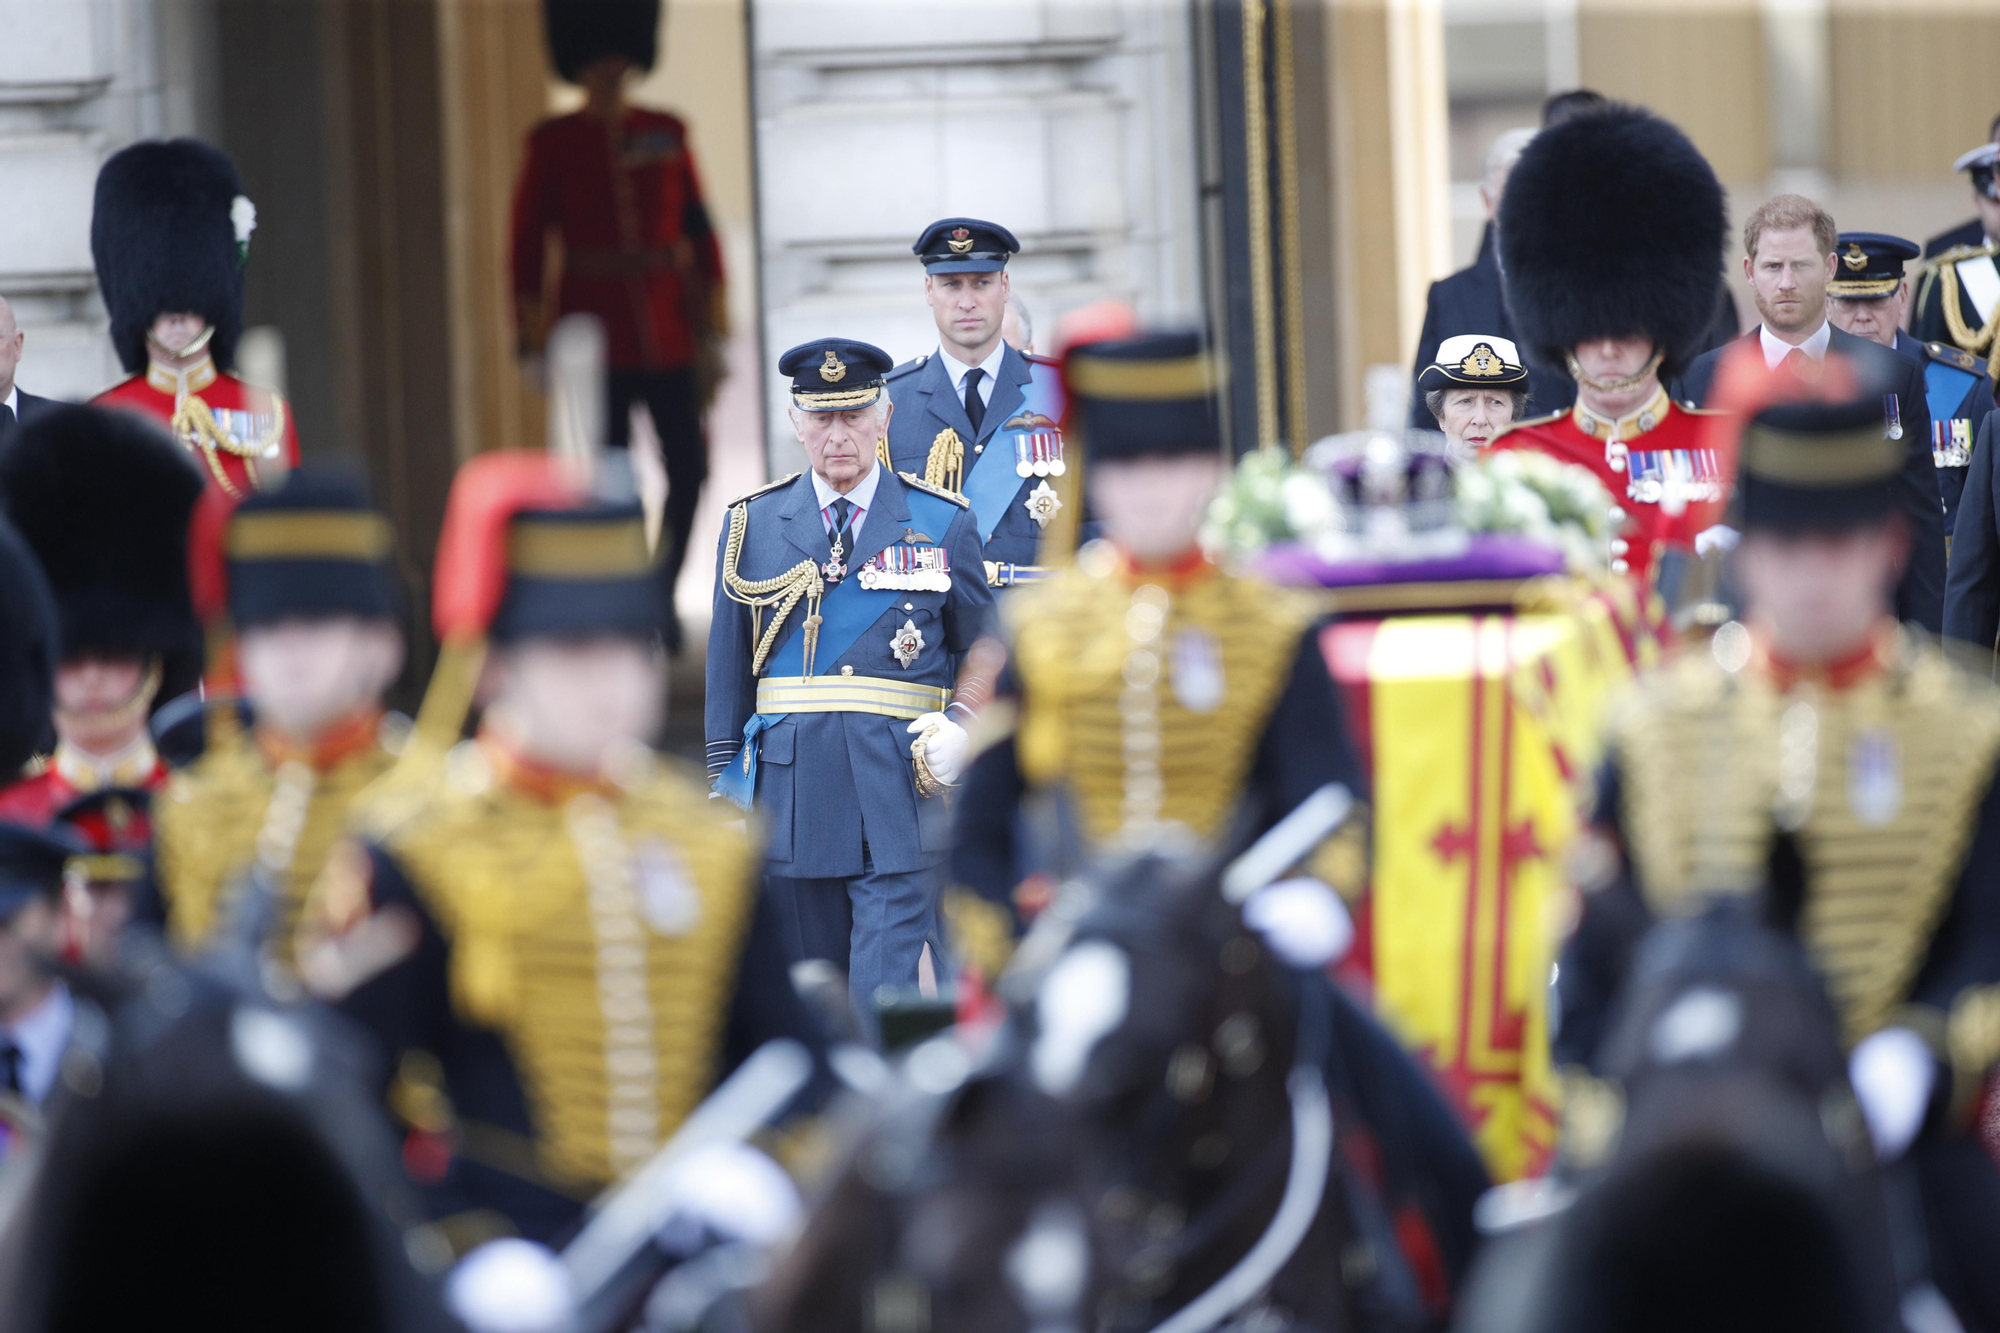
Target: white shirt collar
{"type": "Point", "coordinates": [43, 1036]}
{"type": "Point", "coordinates": [862, 497]}
{"type": "Point", "coordinates": [14, 400]}
{"type": "Point", "coordinates": [957, 368]}
{"type": "Point", "coordinates": [1814, 347]}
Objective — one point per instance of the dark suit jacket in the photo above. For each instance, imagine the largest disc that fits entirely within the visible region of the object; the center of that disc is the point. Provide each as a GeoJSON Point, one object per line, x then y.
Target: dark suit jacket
{"type": "Point", "coordinates": [27, 408]}
{"type": "Point", "coordinates": [1470, 301]}
{"type": "Point", "coordinates": [1972, 592]}
{"type": "Point", "coordinates": [1920, 596]}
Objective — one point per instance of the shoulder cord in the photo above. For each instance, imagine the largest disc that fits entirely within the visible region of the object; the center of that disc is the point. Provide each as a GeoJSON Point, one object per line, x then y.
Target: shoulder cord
{"type": "Point", "coordinates": [194, 423]}
{"type": "Point", "coordinates": [801, 581]}
{"type": "Point", "coordinates": [945, 467]}
{"type": "Point", "coordinates": [1972, 340]}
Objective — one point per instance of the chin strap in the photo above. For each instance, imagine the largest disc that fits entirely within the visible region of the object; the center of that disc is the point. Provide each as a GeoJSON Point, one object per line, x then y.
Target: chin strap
{"type": "Point", "coordinates": [1631, 381]}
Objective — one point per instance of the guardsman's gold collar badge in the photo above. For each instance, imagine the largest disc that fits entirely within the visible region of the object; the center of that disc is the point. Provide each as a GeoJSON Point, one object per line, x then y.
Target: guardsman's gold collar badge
{"type": "Point", "coordinates": [834, 370]}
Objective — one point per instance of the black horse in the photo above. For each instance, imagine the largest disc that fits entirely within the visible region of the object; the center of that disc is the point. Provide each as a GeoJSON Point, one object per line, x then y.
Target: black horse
{"type": "Point", "coordinates": [1734, 1186]}
{"type": "Point", "coordinates": [1175, 1130]}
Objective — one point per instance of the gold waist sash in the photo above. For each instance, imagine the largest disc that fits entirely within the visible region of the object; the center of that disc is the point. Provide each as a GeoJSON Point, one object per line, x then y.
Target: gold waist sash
{"type": "Point", "coordinates": [849, 694]}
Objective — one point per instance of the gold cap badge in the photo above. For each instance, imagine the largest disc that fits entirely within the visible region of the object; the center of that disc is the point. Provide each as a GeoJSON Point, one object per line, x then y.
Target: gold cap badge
{"type": "Point", "coordinates": [1856, 258]}
{"type": "Point", "coordinates": [961, 241]}
{"type": "Point", "coordinates": [834, 370]}
{"type": "Point", "coordinates": [1482, 363]}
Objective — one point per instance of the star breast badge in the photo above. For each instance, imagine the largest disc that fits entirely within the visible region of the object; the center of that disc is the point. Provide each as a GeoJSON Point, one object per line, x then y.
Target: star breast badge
{"type": "Point", "coordinates": [906, 643]}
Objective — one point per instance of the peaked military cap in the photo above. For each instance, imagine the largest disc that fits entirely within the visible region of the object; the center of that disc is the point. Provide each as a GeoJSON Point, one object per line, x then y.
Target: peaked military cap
{"type": "Point", "coordinates": [1819, 466]}
{"type": "Point", "coordinates": [1148, 396]}
{"type": "Point", "coordinates": [1474, 360]}
{"type": "Point", "coordinates": [965, 245]}
{"type": "Point", "coordinates": [1869, 264]}
{"type": "Point", "coordinates": [313, 548]}
{"type": "Point", "coordinates": [31, 864]}
{"type": "Point", "coordinates": [1981, 163]}
{"type": "Point", "coordinates": [835, 374]}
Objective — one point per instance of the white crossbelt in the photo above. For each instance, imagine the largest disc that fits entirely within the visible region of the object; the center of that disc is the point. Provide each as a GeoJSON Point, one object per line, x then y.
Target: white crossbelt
{"type": "Point", "coordinates": [1979, 279]}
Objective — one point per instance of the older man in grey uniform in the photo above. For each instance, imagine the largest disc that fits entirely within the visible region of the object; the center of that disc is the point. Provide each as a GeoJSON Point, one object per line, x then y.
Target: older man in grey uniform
{"type": "Point", "coordinates": [844, 599]}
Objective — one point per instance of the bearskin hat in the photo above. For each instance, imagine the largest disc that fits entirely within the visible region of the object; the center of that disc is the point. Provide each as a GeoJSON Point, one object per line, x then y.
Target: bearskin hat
{"type": "Point", "coordinates": [582, 32]}
{"type": "Point", "coordinates": [1612, 225]}
{"type": "Point", "coordinates": [164, 238]}
{"type": "Point", "coordinates": [27, 655]}
{"type": "Point", "coordinates": [103, 498]}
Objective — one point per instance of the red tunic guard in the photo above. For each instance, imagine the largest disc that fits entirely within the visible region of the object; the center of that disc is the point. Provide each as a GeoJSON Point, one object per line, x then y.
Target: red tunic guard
{"type": "Point", "coordinates": [1655, 462]}
{"type": "Point", "coordinates": [638, 251]}
{"type": "Point", "coordinates": [238, 434]}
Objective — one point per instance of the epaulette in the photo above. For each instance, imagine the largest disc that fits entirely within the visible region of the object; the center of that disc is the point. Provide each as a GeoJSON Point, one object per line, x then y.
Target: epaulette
{"type": "Point", "coordinates": [1956, 253]}
{"type": "Point", "coordinates": [1956, 358]}
{"type": "Point", "coordinates": [765, 489]}
{"type": "Point", "coordinates": [918, 364]}
{"type": "Point", "coordinates": [1531, 421]}
{"type": "Point", "coordinates": [1694, 411]}
{"type": "Point", "coordinates": [938, 491]}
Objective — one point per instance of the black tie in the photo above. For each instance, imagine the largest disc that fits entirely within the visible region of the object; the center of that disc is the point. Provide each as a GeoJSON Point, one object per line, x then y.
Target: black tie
{"type": "Point", "coordinates": [10, 1068]}
{"type": "Point", "coordinates": [843, 509]}
{"type": "Point", "coordinates": [975, 406]}
{"type": "Point", "coordinates": [6, 418]}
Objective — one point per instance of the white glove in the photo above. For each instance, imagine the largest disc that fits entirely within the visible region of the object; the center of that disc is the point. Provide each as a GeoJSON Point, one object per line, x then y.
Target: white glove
{"type": "Point", "coordinates": [736, 1192]}
{"type": "Point", "coordinates": [947, 749]}
{"type": "Point", "coordinates": [1302, 920]}
{"type": "Point", "coordinates": [1721, 537]}
{"type": "Point", "coordinates": [511, 1286]}
{"type": "Point", "coordinates": [1892, 1072]}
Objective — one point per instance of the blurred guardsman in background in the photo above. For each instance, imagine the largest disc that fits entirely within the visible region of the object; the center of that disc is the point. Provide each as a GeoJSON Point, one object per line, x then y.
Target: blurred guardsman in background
{"type": "Point", "coordinates": [1958, 292]}
{"type": "Point", "coordinates": [1158, 691]}
{"type": "Point", "coordinates": [302, 575]}
{"type": "Point", "coordinates": [976, 416]}
{"type": "Point", "coordinates": [1819, 748]}
{"type": "Point", "coordinates": [1867, 298]}
{"type": "Point", "coordinates": [617, 184]}
{"type": "Point", "coordinates": [169, 233]}
{"type": "Point", "coordinates": [104, 500]}
{"type": "Point", "coordinates": [554, 933]}
{"type": "Point", "coordinates": [1608, 235]}
{"type": "Point", "coordinates": [845, 599]}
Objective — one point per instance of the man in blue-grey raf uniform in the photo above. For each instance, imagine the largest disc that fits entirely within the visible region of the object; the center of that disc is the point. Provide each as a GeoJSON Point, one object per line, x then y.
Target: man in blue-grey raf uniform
{"type": "Point", "coordinates": [1866, 297]}
{"type": "Point", "coordinates": [845, 597]}
{"type": "Point", "coordinates": [976, 416]}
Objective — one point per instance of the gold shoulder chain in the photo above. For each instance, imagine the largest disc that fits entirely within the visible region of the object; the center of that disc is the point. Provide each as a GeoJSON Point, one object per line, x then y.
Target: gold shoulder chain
{"type": "Point", "coordinates": [1972, 340]}
{"type": "Point", "coordinates": [193, 422]}
{"type": "Point", "coordinates": [801, 581]}
{"type": "Point", "coordinates": [946, 465]}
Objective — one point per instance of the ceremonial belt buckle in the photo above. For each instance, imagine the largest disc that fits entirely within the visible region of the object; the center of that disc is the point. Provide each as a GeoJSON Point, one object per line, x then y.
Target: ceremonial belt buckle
{"type": "Point", "coordinates": [999, 574]}
{"type": "Point", "coordinates": [850, 694]}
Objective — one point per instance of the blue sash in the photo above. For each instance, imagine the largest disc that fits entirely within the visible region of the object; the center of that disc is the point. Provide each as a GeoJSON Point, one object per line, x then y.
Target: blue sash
{"type": "Point", "coordinates": [1945, 388]}
{"type": "Point", "coordinates": [845, 612]}
{"type": "Point", "coordinates": [992, 483]}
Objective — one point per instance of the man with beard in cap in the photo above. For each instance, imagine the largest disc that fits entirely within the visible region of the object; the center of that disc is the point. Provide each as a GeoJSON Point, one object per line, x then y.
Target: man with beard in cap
{"type": "Point", "coordinates": [302, 575]}
{"type": "Point", "coordinates": [169, 233]}
{"type": "Point", "coordinates": [617, 184]}
{"type": "Point", "coordinates": [104, 499]}
{"type": "Point", "coordinates": [1819, 748]}
{"type": "Point", "coordinates": [556, 937]}
{"type": "Point", "coordinates": [1611, 233]}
